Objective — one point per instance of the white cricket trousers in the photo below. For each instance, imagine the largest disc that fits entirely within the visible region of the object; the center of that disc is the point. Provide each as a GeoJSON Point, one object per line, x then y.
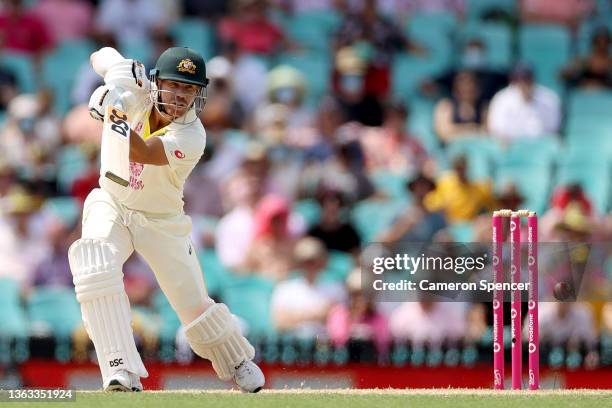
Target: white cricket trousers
{"type": "Point", "coordinates": [164, 243]}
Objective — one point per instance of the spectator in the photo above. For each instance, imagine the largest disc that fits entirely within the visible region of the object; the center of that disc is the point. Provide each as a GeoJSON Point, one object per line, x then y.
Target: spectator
{"type": "Point", "coordinates": [456, 7]}
{"type": "Point", "coordinates": [350, 89]}
{"type": "Point", "coordinates": [79, 127]}
{"type": "Point", "coordinates": [293, 7]}
{"type": "Point", "coordinates": [476, 322]}
{"type": "Point", "coordinates": [249, 76]}
{"type": "Point", "coordinates": [431, 323]}
{"type": "Point", "coordinates": [54, 269]}
{"type": "Point", "coordinates": [524, 109]}
{"type": "Point", "coordinates": [334, 230]}
{"type": "Point", "coordinates": [117, 17]}
{"type": "Point", "coordinates": [595, 70]}
{"type": "Point", "coordinates": [568, 323]}
{"type": "Point", "coordinates": [223, 110]}
{"type": "Point", "coordinates": [569, 13]}
{"type": "Point", "coordinates": [8, 87]}
{"type": "Point", "coordinates": [301, 305]}
{"type": "Point", "coordinates": [209, 9]}
{"type": "Point", "coordinates": [573, 193]}
{"type": "Point", "coordinates": [464, 113]}
{"type": "Point", "coordinates": [391, 148]}
{"type": "Point", "coordinates": [472, 58]}
{"type": "Point", "coordinates": [235, 229]}
{"type": "Point", "coordinates": [328, 120]}
{"type": "Point", "coordinates": [65, 19]}
{"type": "Point", "coordinates": [378, 39]}
{"type": "Point", "coordinates": [22, 246]}
{"type": "Point", "coordinates": [7, 182]}
{"type": "Point", "coordinates": [461, 199]}
{"type": "Point", "coordinates": [417, 223]}
{"type": "Point", "coordinates": [139, 281]}
{"type": "Point", "coordinates": [88, 179]}
{"type": "Point", "coordinates": [287, 87]}
{"type": "Point", "coordinates": [572, 224]}
{"type": "Point", "coordinates": [358, 319]}
{"type": "Point", "coordinates": [160, 42]}
{"type": "Point", "coordinates": [23, 31]}
{"type": "Point", "coordinates": [571, 217]}
{"type": "Point", "coordinates": [31, 129]}
{"type": "Point", "coordinates": [344, 172]}
{"type": "Point", "coordinates": [250, 29]}
{"type": "Point", "coordinates": [271, 250]}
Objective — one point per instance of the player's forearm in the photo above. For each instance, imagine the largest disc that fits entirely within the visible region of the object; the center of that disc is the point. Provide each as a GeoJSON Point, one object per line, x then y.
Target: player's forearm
{"type": "Point", "coordinates": [147, 152]}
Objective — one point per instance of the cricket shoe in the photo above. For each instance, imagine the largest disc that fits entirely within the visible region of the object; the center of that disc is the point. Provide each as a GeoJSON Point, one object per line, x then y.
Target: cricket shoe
{"type": "Point", "coordinates": [123, 381]}
{"type": "Point", "coordinates": [249, 377]}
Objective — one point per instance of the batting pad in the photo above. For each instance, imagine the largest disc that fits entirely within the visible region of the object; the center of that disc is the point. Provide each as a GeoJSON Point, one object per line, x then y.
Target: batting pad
{"type": "Point", "coordinates": [105, 307]}
{"type": "Point", "coordinates": [215, 336]}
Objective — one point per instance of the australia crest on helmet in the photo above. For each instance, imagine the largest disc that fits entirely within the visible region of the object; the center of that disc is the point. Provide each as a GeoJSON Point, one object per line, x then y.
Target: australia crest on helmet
{"type": "Point", "coordinates": [186, 65]}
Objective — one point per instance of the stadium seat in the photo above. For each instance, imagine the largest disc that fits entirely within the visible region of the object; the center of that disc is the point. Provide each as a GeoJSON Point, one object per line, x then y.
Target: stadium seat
{"type": "Point", "coordinates": [54, 309]}
{"type": "Point", "coordinates": [194, 33]}
{"type": "Point", "coordinates": [440, 21]}
{"type": "Point", "coordinates": [497, 39]}
{"type": "Point", "coordinates": [371, 217]}
{"type": "Point", "coordinates": [140, 50]}
{"type": "Point", "coordinates": [481, 153]}
{"type": "Point", "coordinates": [528, 164]}
{"type": "Point", "coordinates": [391, 184]}
{"type": "Point", "coordinates": [436, 41]}
{"type": "Point", "coordinates": [312, 30]}
{"type": "Point", "coordinates": [66, 209]}
{"type": "Point", "coordinates": [590, 135]}
{"type": "Point", "coordinates": [249, 298]}
{"type": "Point", "coordinates": [59, 68]}
{"type": "Point", "coordinates": [170, 322]}
{"type": "Point", "coordinates": [309, 210]}
{"type": "Point", "coordinates": [541, 151]}
{"type": "Point", "coordinates": [589, 103]}
{"type": "Point", "coordinates": [420, 123]}
{"type": "Point", "coordinates": [21, 65]}
{"type": "Point", "coordinates": [214, 272]}
{"type": "Point", "coordinates": [339, 265]}
{"type": "Point", "coordinates": [462, 231]}
{"type": "Point", "coordinates": [547, 47]}
{"type": "Point", "coordinates": [532, 180]}
{"type": "Point", "coordinates": [71, 162]}
{"type": "Point", "coordinates": [407, 74]}
{"type": "Point", "coordinates": [14, 321]}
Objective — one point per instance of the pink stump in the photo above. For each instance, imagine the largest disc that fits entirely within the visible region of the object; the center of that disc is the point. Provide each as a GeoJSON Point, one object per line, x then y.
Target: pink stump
{"type": "Point", "coordinates": [498, 304]}
{"type": "Point", "coordinates": [515, 300]}
{"type": "Point", "coordinates": [532, 312]}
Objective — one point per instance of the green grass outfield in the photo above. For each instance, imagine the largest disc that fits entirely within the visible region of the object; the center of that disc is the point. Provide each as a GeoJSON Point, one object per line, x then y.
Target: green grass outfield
{"type": "Point", "coordinates": [434, 398]}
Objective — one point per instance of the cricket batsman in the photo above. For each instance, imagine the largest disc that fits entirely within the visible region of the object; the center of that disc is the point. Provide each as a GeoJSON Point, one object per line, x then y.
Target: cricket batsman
{"type": "Point", "coordinates": [151, 141]}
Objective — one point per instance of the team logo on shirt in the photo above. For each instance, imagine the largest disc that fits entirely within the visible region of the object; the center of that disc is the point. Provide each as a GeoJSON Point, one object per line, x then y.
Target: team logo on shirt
{"type": "Point", "coordinates": [135, 176]}
{"type": "Point", "coordinates": [179, 154]}
{"type": "Point", "coordinates": [187, 65]}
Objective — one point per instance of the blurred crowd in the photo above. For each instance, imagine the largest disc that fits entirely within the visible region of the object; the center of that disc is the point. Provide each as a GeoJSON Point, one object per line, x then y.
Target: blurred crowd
{"type": "Point", "coordinates": [330, 124]}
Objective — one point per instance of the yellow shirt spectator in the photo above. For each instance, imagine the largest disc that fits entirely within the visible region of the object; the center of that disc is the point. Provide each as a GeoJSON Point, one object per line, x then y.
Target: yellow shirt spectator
{"type": "Point", "coordinates": [460, 200]}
